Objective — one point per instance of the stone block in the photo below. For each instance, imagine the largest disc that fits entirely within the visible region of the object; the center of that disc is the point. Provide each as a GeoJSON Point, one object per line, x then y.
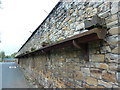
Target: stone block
{"type": "Point", "coordinates": [118, 77]}
{"type": "Point", "coordinates": [114, 31]}
{"type": "Point", "coordinates": [105, 49]}
{"type": "Point", "coordinates": [109, 76]}
{"type": "Point", "coordinates": [78, 76]}
{"type": "Point", "coordinates": [109, 25]}
{"type": "Point", "coordinates": [76, 68]}
{"type": "Point", "coordinates": [111, 18]}
{"type": "Point", "coordinates": [90, 86]}
{"type": "Point", "coordinates": [80, 26]}
{"type": "Point", "coordinates": [100, 87]}
{"type": "Point", "coordinates": [91, 81]}
{"type": "Point", "coordinates": [105, 84]}
{"type": "Point", "coordinates": [115, 7]}
{"type": "Point", "coordinates": [97, 58]}
{"type": "Point", "coordinates": [102, 66]}
{"type": "Point", "coordinates": [96, 73]}
{"type": "Point", "coordinates": [116, 50]}
{"type": "Point", "coordinates": [104, 14]}
{"type": "Point", "coordinates": [112, 58]}
{"type": "Point", "coordinates": [77, 60]}
{"type": "Point", "coordinates": [66, 19]}
{"type": "Point", "coordinates": [105, 6]}
{"type": "Point", "coordinates": [113, 40]}
{"type": "Point", "coordinates": [85, 71]}
{"type": "Point", "coordinates": [113, 67]}
{"type": "Point", "coordinates": [61, 59]}
{"type": "Point", "coordinates": [96, 20]}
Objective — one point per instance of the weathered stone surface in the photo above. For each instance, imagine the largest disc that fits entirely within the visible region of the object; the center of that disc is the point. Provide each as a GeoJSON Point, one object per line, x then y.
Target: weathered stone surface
{"type": "Point", "coordinates": [118, 77]}
{"type": "Point", "coordinates": [61, 59]}
{"type": "Point", "coordinates": [80, 26]}
{"type": "Point", "coordinates": [104, 14]}
{"type": "Point", "coordinates": [111, 18]}
{"type": "Point", "coordinates": [88, 86]}
{"type": "Point", "coordinates": [113, 39]}
{"type": "Point", "coordinates": [109, 76]}
{"type": "Point", "coordinates": [91, 81]}
{"type": "Point", "coordinates": [105, 84]}
{"type": "Point", "coordinates": [96, 20]}
{"type": "Point", "coordinates": [115, 7]}
{"type": "Point", "coordinates": [113, 67]}
{"type": "Point", "coordinates": [97, 58]}
{"type": "Point", "coordinates": [105, 49]}
{"type": "Point", "coordinates": [116, 50]}
{"type": "Point", "coordinates": [100, 87]}
{"type": "Point", "coordinates": [112, 24]}
{"type": "Point", "coordinates": [102, 66]}
{"type": "Point", "coordinates": [96, 73]}
{"type": "Point", "coordinates": [85, 71]}
{"type": "Point", "coordinates": [78, 76]}
{"type": "Point", "coordinates": [114, 31]}
{"type": "Point", "coordinates": [66, 67]}
{"type": "Point", "coordinates": [112, 57]}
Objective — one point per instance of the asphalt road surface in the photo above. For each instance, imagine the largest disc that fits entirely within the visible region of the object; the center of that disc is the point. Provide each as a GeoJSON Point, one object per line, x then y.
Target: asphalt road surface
{"type": "Point", "coordinates": [12, 76]}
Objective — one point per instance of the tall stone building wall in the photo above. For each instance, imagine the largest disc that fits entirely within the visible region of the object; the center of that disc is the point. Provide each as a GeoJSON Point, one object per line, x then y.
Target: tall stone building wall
{"type": "Point", "coordinates": [67, 67]}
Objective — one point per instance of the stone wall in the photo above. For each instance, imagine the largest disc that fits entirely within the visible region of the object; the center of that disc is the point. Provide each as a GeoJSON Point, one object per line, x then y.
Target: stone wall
{"type": "Point", "coordinates": [67, 67]}
{"type": "Point", "coordinates": [67, 19]}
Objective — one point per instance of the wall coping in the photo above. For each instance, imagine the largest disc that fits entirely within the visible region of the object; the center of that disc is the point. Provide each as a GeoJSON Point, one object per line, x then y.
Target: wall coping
{"type": "Point", "coordinates": [82, 38]}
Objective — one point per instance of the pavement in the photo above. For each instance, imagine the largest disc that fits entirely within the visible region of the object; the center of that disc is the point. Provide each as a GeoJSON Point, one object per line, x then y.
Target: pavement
{"type": "Point", "coordinates": [12, 76]}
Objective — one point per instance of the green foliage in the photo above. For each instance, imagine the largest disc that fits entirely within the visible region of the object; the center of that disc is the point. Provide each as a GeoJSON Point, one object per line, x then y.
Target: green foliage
{"type": "Point", "coordinates": [33, 49]}
{"type": "Point", "coordinates": [13, 55]}
{"type": "Point", "coordinates": [7, 56]}
{"type": "Point", "coordinates": [26, 51]}
{"type": "Point", "coordinates": [2, 54]}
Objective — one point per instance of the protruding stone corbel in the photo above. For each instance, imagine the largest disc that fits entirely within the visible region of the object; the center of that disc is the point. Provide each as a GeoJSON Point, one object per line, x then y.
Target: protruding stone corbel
{"type": "Point", "coordinates": [83, 48]}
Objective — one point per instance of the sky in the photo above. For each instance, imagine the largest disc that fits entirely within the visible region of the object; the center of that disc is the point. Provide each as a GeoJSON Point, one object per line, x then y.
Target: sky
{"type": "Point", "coordinates": [18, 18]}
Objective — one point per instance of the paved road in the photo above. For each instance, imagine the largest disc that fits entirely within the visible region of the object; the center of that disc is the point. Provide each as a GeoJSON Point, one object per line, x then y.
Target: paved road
{"type": "Point", "coordinates": [12, 77]}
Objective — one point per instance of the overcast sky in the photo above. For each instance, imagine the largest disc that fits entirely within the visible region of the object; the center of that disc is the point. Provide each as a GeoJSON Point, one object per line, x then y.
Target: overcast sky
{"type": "Point", "coordinates": [18, 18]}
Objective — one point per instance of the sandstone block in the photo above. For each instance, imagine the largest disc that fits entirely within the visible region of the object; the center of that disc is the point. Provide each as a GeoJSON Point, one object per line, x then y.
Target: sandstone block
{"type": "Point", "coordinates": [78, 75]}
{"type": "Point", "coordinates": [76, 11]}
{"type": "Point", "coordinates": [85, 71]}
{"type": "Point", "coordinates": [90, 86]}
{"type": "Point", "coordinates": [114, 68]}
{"type": "Point", "coordinates": [112, 24]}
{"type": "Point", "coordinates": [97, 58]}
{"type": "Point", "coordinates": [66, 19]}
{"type": "Point", "coordinates": [96, 73]}
{"type": "Point", "coordinates": [114, 31]}
{"type": "Point", "coordinates": [102, 66]}
{"type": "Point", "coordinates": [71, 20]}
{"type": "Point", "coordinates": [61, 59]}
{"type": "Point", "coordinates": [105, 84]}
{"type": "Point", "coordinates": [111, 18]}
{"type": "Point", "coordinates": [116, 50]}
{"type": "Point", "coordinates": [109, 76]}
{"type": "Point", "coordinates": [91, 81]}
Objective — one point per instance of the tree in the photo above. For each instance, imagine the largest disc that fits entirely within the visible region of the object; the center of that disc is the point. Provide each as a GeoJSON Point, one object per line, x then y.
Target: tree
{"type": "Point", "coordinates": [2, 55]}
{"type": "Point", "coordinates": [13, 55]}
{"type": "Point", "coordinates": [7, 56]}
{"type": "Point", "coordinates": [0, 4]}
